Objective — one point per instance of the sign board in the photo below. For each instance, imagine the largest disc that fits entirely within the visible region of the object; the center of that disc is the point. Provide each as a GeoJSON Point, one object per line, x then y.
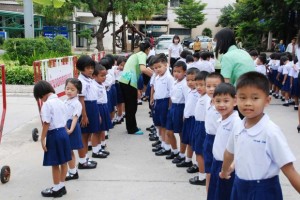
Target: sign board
{"type": "Point", "coordinates": [3, 34]}
{"type": "Point", "coordinates": [52, 31]}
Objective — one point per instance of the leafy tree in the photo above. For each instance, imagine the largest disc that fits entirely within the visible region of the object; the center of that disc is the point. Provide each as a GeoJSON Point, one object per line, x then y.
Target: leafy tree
{"type": "Point", "coordinates": [189, 13]}
{"type": "Point", "coordinates": [207, 32]}
{"type": "Point", "coordinates": [86, 34]}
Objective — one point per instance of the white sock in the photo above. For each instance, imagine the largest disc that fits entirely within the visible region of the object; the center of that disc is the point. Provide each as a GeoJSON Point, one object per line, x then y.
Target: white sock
{"type": "Point", "coordinates": [163, 144]}
{"type": "Point", "coordinates": [182, 155]}
{"type": "Point", "coordinates": [61, 185]}
{"type": "Point", "coordinates": [286, 101]}
{"type": "Point", "coordinates": [56, 187]}
{"type": "Point", "coordinates": [73, 171]}
{"type": "Point", "coordinates": [167, 147]}
{"type": "Point", "coordinates": [159, 137]}
{"type": "Point", "coordinates": [175, 151]}
{"type": "Point", "coordinates": [103, 143]}
{"type": "Point", "coordinates": [106, 133]}
{"type": "Point", "coordinates": [89, 143]}
{"type": "Point", "coordinates": [82, 160]}
{"type": "Point", "coordinates": [99, 147]}
{"type": "Point", "coordinates": [188, 159]}
{"type": "Point", "coordinates": [139, 100]}
{"type": "Point", "coordinates": [202, 176]}
{"type": "Point", "coordinates": [95, 149]}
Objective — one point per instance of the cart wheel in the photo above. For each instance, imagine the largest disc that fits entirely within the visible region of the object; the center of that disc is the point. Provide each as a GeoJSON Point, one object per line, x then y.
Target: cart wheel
{"type": "Point", "coordinates": [5, 174]}
{"type": "Point", "coordinates": [35, 134]}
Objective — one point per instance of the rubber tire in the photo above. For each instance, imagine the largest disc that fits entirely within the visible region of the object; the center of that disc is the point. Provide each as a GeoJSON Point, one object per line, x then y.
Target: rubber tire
{"type": "Point", "coordinates": [5, 174]}
{"type": "Point", "coordinates": [35, 135]}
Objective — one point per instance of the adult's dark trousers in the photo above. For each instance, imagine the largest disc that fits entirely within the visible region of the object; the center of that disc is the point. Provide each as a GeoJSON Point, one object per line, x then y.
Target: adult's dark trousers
{"type": "Point", "coordinates": [130, 100]}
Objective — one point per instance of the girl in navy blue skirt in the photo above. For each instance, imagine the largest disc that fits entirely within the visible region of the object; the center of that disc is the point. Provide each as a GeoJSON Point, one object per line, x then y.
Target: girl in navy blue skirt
{"type": "Point", "coordinates": [57, 150]}
{"type": "Point", "coordinates": [74, 108]}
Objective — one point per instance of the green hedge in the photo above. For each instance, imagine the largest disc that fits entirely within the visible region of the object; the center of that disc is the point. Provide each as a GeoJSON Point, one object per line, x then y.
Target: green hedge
{"type": "Point", "coordinates": [28, 50]}
{"type": "Point", "coordinates": [18, 75]}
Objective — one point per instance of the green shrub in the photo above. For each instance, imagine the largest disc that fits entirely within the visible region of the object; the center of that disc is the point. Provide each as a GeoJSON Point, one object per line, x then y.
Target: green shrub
{"type": "Point", "coordinates": [19, 75]}
{"type": "Point", "coordinates": [62, 45]}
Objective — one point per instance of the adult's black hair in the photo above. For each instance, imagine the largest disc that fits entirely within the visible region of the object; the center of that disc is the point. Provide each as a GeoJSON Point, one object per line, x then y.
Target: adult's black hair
{"type": "Point", "coordinates": [189, 58]}
{"type": "Point", "coordinates": [185, 53]}
{"type": "Point", "coordinates": [121, 59]}
{"type": "Point", "coordinates": [98, 69]}
{"type": "Point", "coordinates": [192, 71]}
{"type": "Point", "coordinates": [180, 64]}
{"type": "Point", "coordinates": [223, 89]}
{"type": "Point", "coordinates": [76, 82]}
{"type": "Point", "coordinates": [216, 75]}
{"type": "Point", "coordinates": [42, 88]}
{"type": "Point", "coordinates": [201, 76]}
{"type": "Point", "coordinates": [85, 61]}
{"type": "Point", "coordinates": [144, 45]}
{"type": "Point", "coordinates": [176, 37]}
{"type": "Point", "coordinates": [225, 38]}
{"type": "Point", "coordinates": [159, 58]}
{"type": "Point", "coordinates": [253, 79]}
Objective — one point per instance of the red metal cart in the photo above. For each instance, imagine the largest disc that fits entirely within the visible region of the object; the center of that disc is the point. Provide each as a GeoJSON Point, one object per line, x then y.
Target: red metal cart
{"type": "Point", "coordinates": [5, 170]}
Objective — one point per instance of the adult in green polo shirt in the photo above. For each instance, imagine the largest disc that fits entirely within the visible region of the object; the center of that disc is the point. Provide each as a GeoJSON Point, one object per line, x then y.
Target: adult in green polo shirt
{"type": "Point", "coordinates": [135, 65]}
{"type": "Point", "coordinates": [234, 61]}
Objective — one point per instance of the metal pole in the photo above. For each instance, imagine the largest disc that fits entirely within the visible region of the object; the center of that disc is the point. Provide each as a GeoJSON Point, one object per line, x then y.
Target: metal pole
{"type": "Point", "coordinates": [28, 19]}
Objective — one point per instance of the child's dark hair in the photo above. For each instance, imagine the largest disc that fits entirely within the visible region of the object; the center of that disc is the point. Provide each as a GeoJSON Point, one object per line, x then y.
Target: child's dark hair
{"type": "Point", "coordinates": [253, 53]}
{"type": "Point", "coordinates": [98, 69]}
{"type": "Point", "coordinates": [283, 59]}
{"type": "Point", "coordinates": [205, 55]}
{"type": "Point", "coordinates": [192, 71]}
{"type": "Point", "coordinates": [121, 59]}
{"type": "Point", "coordinates": [185, 53]}
{"type": "Point", "coordinates": [272, 56]}
{"type": "Point", "coordinates": [197, 55]}
{"type": "Point", "coordinates": [105, 62]}
{"type": "Point", "coordinates": [77, 83]}
{"type": "Point", "coordinates": [212, 55]}
{"type": "Point", "coordinates": [144, 45]}
{"type": "Point", "coordinates": [111, 59]}
{"type": "Point", "coordinates": [159, 58]}
{"type": "Point", "coordinates": [42, 88]}
{"type": "Point", "coordinates": [253, 79]}
{"type": "Point", "coordinates": [176, 37]}
{"type": "Point", "coordinates": [263, 59]}
{"type": "Point", "coordinates": [289, 55]}
{"type": "Point", "coordinates": [295, 60]}
{"type": "Point", "coordinates": [85, 61]}
{"type": "Point", "coordinates": [148, 61]}
{"type": "Point", "coordinates": [277, 56]}
{"type": "Point", "coordinates": [180, 64]}
{"type": "Point", "coordinates": [216, 75]}
{"type": "Point", "coordinates": [225, 88]}
{"type": "Point", "coordinates": [201, 76]}
{"type": "Point", "coordinates": [189, 59]}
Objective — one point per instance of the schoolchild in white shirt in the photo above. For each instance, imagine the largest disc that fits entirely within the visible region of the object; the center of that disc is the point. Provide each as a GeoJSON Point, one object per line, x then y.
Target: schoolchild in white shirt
{"type": "Point", "coordinates": [199, 132]}
{"type": "Point", "coordinates": [257, 146]}
{"type": "Point", "coordinates": [161, 100]}
{"type": "Point", "coordinates": [73, 87]}
{"type": "Point", "coordinates": [275, 68]}
{"type": "Point", "coordinates": [211, 122]}
{"type": "Point", "coordinates": [261, 65]}
{"type": "Point", "coordinates": [205, 65]}
{"type": "Point", "coordinates": [57, 149]}
{"type": "Point", "coordinates": [225, 101]}
{"type": "Point", "coordinates": [189, 119]}
{"type": "Point", "coordinates": [286, 85]}
{"type": "Point", "coordinates": [175, 113]}
{"type": "Point", "coordinates": [295, 91]}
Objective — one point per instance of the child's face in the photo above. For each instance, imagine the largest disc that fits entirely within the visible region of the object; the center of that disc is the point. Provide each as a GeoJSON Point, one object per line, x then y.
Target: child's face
{"type": "Point", "coordinates": [121, 66]}
{"type": "Point", "coordinates": [101, 77]}
{"type": "Point", "coordinates": [88, 71]}
{"type": "Point", "coordinates": [200, 86]}
{"type": "Point", "coordinates": [160, 68]}
{"type": "Point", "coordinates": [224, 104]}
{"type": "Point", "coordinates": [70, 90]}
{"type": "Point", "coordinates": [190, 80]}
{"type": "Point", "coordinates": [211, 84]}
{"type": "Point", "coordinates": [251, 102]}
{"type": "Point", "coordinates": [178, 73]}
{"type": "Point", "coordinates": [258, 62]}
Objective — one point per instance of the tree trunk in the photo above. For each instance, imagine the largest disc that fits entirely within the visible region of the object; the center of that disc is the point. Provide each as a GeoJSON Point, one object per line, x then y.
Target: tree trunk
{"type": "Point", "coordinates": [114, 32]}
{"type": "Point", "coordinates": [100, 33]}
{"type": "Point", "coordinates": [124, 37]}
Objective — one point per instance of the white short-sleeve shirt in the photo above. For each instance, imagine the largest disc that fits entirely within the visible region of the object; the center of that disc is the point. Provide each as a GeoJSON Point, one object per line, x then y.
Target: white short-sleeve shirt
{"type": "Point", "coordinates": [280, 69]}
{"type": "Point", "coordinates": [194, 65]}
{"type": "Point", "coordinates": [211, 119]}
{"type": "Point", "coordinates": [190, 103]}
{"type": "Point", "coordinates": [223, 132]}
{"type": "Point", "coordinates": [260, 151]}
{"type": "Point", "coordinates": [101, 92]}
{"type": "Point", "coordinates": [201, 106]}
{"type": "Point", "coordinates": [73, 108]}
{"type": "Point", "coordinates": [117, 72]}
{"type": "Point", "coordinates": [178, 91]}
{"type": "Point", "coordinates": [152, 79]}
{"type": "Point", "coordinates": [54, 112]}
{"type": "Point", "coordinates": [163, 86]}
{"type": "Point", "coordinates": [88, 89]}
{"type": "Point", "coordinates": [205, 65]}
{"type": "Point", "coordinates": [175, 49]}
{"type": "Point", "coordinates": [261, 69]}
{"type": "Point", "coordinates": [286, 68]}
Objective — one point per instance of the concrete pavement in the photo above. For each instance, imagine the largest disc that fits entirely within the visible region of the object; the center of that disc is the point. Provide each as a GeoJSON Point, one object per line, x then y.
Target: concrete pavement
{"type": "Point", "coordinates": [130, 172]}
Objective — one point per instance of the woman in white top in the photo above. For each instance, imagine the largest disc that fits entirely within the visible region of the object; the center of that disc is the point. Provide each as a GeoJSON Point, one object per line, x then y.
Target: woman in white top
{"type": "Point", "coordinates": [174, 51]}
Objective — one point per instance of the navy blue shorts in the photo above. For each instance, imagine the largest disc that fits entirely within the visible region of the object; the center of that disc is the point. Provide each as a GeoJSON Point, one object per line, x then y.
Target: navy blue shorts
{"type": "Point", "coordinates": [160, 112]}
{"type": "Point", "coordinates": [187, 130]}
{"type": "Point", "coordinates": [267, 189]}
{"type": "Point", "coordinates": [287, 85]}
{"type": "Point", "coordinates": [92, 112]}
{"type": "Point", "coordinates": [219, 189]}
{"type": "Point", "coordinates": [75, 136]}
{"type": "Point", "coordinates": [198, 137]}
{"type": "Point", "coordinates": [105, 123]}
{"type": "Point", "coordinates": [207, 152]}
{"type": "Point", "coordinates": [295, 89]}
{"type": "Point", "coordinates": [58, 147]}
{"type": "Point", "coordinates": [175, 118]}
{"type": "Point", "coordinates": [140, 83]}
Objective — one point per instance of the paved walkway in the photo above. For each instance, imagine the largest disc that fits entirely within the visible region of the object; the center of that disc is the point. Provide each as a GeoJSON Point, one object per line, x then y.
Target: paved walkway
{"type": "Point", "coordinates": [131, 172]}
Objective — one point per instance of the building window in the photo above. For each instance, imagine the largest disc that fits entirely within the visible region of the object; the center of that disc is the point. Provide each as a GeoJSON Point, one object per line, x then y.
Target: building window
{"type": "Point", "coordinates": [175, 3]}
{"type": "Point", "coordinates": [180, 31]}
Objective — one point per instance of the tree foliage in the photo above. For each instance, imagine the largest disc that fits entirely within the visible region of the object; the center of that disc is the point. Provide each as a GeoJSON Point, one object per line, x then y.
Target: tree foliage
{"type": "Point", "coordinates": [189, 13]}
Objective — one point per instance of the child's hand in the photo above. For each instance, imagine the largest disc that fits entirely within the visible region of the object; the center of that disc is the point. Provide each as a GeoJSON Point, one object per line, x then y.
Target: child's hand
{"type": "Point", "coordinates": [44, 145]}
{"type": "Point", "coordinates": [224, 175]}
{"type": "Point", "coordinates": [151, 102]}
{"type": "Point", "coordinates": [84, 121]}
{"type": "Point", "coordinates": [69, 131]}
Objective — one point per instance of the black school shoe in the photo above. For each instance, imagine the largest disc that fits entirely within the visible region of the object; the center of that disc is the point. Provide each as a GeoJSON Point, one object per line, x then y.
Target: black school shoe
{"type": "Point", "coordinates": [163, 152]}
{"type": "Point", "coordinates": [172, 155]}
{"type": "Point", "coordinates": [49, 192]}
{"type": "Point", "coordinates": [155, 138]}
{"type": "Point", "coordinates": [71, 176]}
{"type": "Point", "coordinates": [286, 104]}
{"type": "Point", "coordinates": [158, 142]}
{"type": "Point", "coordinates": [196, 181]}
{"type": "Point", "coordinates": [99, 155]}
{"type": "Point", "coordinates": [87, 165]}
{"type": "Point", "coordinates": [178, 159]}
{"type": "Point", "coordinates": [192, 169]}
{"type": "Point", "coordinates": [157, 148]}
{"type": "Point", "coordinates": [184, 164]}
{"type": "Point", "coordinates": [104, 152]}
{"type": "Point", "coordinates": [151, 127]}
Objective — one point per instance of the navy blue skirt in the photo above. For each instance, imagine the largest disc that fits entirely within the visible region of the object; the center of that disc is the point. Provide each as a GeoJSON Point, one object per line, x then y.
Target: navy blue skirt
{"type": "Point", "coordinates": [75, 136]}
{"type": "Point", "coordinates": [58, 147]}
{"type": "Point", "coordinates": [207, 152]}
{"type": "Point", "coordinates": [295, 88]}
{"type": "Point", "coordinates": [105, 123]}
{"type": "Point", "coordinates": [160, 112]}
{"type": "Point", "coordinates": [112, 98]}
{"type": "Point", "coordinates": [198, 138]}
{"type": "Point", "coordinates": [279, 82]}
{"type": "Point", "coordinates": [120, 98]}
{"type": "Point", "coordinates": [175, 118]}
{"type": "Point", "coordinates": [92, 112]}
{"type": "Point", "coordinates": [219, 189]}
{"type": "Point", "coordinates": [273, 76]}
{"type": "Point", "coordinates": [140, 83]}
{"type": "Point", "coordinates": [287, 85]}
{"type": "Point", "coordinates": [187, 130]}
{"type": "Point", "coordinates": [267, 189]}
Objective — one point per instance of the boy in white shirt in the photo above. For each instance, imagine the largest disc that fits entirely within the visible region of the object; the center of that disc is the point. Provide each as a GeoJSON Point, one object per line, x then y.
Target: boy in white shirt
{"type": "Point", "coordinates": [257, 146]}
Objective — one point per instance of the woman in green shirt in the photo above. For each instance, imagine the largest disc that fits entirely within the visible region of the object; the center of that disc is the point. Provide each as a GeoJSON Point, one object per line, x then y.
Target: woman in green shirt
{"type": "Point", "coordinates": [135, 65]}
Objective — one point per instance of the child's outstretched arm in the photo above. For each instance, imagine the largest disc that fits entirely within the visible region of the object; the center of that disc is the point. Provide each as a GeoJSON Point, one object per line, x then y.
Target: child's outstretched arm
{"type": "Point", "coordinates": [293, 176]}
{"type": "Point", "coordinates": [44, 133]}
{"type": "Point", "coordinates": [227, 165]}
{"type": "Point", "coordinates": [73, 124]}
{"type": "Point", "coordinates": [84, 121]}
